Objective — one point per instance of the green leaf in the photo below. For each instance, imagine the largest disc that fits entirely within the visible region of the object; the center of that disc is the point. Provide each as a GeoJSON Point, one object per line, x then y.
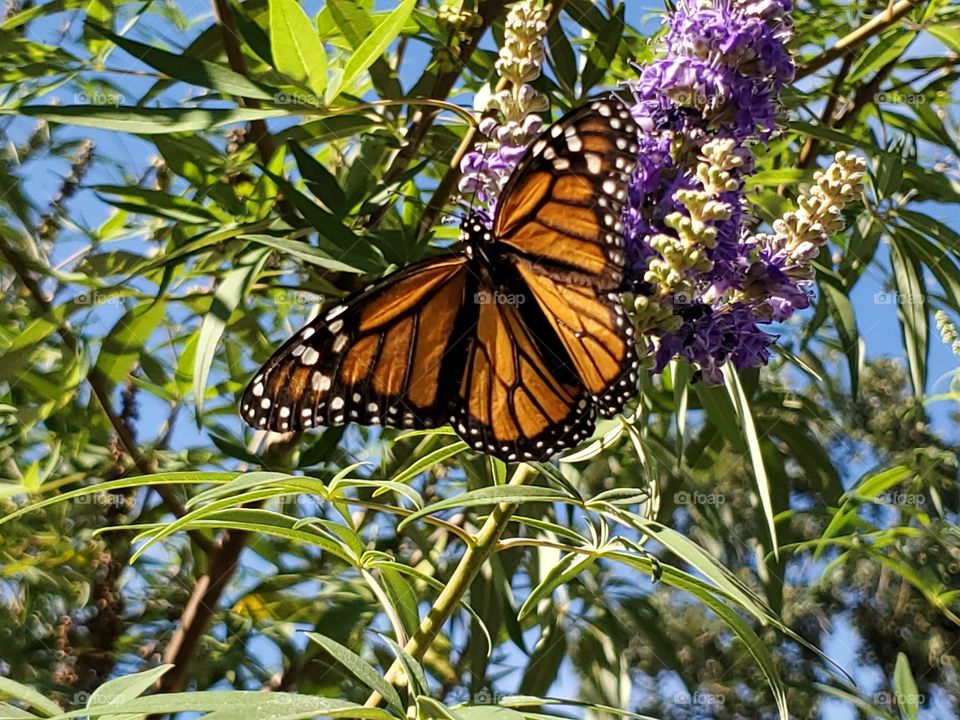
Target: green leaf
{"type": "Point", "coordinates": [568, 568]}
{"type": "Point", "coordinates": [868, 488]}
{"type": "Point", "coordinates": [908, 695]}
{"type": "Point", "coordinates": [416, 678]}
{"type": "Point", "coordinates": [490, 496]}
{"type": "Point", "coordinates": [189, 70]}
{"type": "Point", "coordinates": [296, 47]}
{"type": "Point", "coordinates": [128, 338]}
{"type": "Point", "coordinates": [846, 322]}
{"type": "Point", "coordinates": [28, 696]}
{"type": "Point", "coordinates": [373, 46]}
{"type": "Point", "coordinates": [947, 35]}
{"type": "Point", "coordinates": [142, 121]}
{"type": "Point", "coordinates": [402, 597]}
{"type": "Point", "coordinates": [888, 47]}
{"type": "Point", "coordinates": [427, 461]}
{"type": "Point", "coordinates": [912, 313]}
{"type": "Point", "coordinates": [354, 22]}
{"type": "Point", "coordinates": [362, 671]}
{"type": "Point", "coordinates": [562, 57]}
{"type": "Point", "coordinates": [739, 399]}
{"type": "Point", "coordinates": [321, 181]}
{"type": "Point", "coordinates": [698, 558]}
{"type": "Point", "coordinates": [233, 705]}
{"type": "Point", "coordinates": [157, 203]}
{"type": "Point", "coordinates": [302, 250]}
{"type": "Point", "coordinates": [226, 299]}
{"type": "Point", "coordinates": [126, 687]}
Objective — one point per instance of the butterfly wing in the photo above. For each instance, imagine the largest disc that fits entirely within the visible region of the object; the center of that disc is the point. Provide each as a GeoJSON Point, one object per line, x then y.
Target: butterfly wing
{"type": "Point", "coordinates": [562, 206]}
{"type": "Point", "coordinates": [512, 403]}
{"type": "Point", "coordinates": [559, 225]}
{"type": "Point", "coordinates": [593, 331]}
{"type": "Point", "coordinates": [385, 356]}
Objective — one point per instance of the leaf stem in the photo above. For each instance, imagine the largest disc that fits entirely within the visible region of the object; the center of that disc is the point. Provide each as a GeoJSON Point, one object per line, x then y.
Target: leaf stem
{"type": "Point", "coordinates": [484, 545]}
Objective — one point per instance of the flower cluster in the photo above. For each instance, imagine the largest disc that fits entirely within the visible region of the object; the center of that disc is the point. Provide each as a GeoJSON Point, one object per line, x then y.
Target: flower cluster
{"type": "Point", "coordinates": [486, 168]}
{"type": "Point", "coordinates": [948, 332]}
{"type": "Point", "coordinates": [708, 282]}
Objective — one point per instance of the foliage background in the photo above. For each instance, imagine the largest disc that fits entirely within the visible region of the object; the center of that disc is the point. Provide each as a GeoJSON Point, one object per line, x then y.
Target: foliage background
{"type": "Point", "coordinates": [181, 184]}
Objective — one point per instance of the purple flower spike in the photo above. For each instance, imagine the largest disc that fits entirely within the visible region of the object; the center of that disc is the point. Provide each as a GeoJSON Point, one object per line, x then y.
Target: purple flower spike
{"type": "Point", "coordinates": [687, 225]}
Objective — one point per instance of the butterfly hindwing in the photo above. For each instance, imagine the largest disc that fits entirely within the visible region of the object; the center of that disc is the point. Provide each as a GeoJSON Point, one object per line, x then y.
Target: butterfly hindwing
{"type": "Point", "coordinates": [589, 329]}
{"type": "Point", "coordinates": [512, 403]}
{"type": "Point", "coordinates": [382, 357]}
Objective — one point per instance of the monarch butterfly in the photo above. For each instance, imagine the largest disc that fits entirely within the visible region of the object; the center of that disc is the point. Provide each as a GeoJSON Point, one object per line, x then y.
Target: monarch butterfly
{"type": "Point", "coordinates": [517, 340]}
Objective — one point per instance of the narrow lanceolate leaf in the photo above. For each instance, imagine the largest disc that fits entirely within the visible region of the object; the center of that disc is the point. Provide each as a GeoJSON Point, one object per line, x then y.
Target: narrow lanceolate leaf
{"type": "Point", "coordinates": [128, 339]}
{"type": "Point", "coordinates": [907, 693]}
{"type": "Point", "coordinates": [491, 496]}
{"type": "Point", "coordinates": [365, 673]}
{"type": "Point", "coordinates": [374, 46]}
{"type": "Point", "coordinates": [912, 313]}
{"type": "Point", "coordinates": [888, 47]}
{"type": "Point", "coordinates": [142, 121]}
{"type": "Point", "coordinates": [296, 47]}
{"type": "Point", "coordinates": [739, 398]}
{"type": "Point", "coordinates": [846, 322]}
{"type": "Point", "coordinates": [28, 696]}
{"type": "Point", "coordinates": [225, 300]}
{"type": "Point", "coordinates": [157, 203]}
{"type": "Point", "coordinates": [189, 70]}
{"type": "Point", "coordinates": [246, 704]}
{"type": "Point", "coordinates": [126, 687]}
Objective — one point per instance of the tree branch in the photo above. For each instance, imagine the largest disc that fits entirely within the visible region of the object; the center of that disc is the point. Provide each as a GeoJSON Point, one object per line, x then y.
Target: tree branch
{"type": "Point", "coordinates": [449, 598]}
{"type": "Point", "coordinates": [853, 40]}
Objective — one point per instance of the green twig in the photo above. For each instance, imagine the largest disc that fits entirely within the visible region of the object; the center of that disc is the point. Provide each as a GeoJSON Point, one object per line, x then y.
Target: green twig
{"type": "Point", "coordinates": [853, 40]}
{"type": "Point", "coordinates": [483, 546]}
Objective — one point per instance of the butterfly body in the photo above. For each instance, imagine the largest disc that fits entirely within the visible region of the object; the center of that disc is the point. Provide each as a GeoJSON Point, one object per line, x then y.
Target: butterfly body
{"type": "Point", "coordinates": [517, 339]}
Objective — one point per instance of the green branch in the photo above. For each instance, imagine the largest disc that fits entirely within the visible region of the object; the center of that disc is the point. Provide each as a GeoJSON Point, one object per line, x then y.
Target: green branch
{"type": "Point", "coordinates": [482, 547]}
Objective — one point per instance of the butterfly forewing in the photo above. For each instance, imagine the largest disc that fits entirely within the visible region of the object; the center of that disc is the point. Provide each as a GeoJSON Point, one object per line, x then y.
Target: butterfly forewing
{"type": "Point", "coordinates": [379, 358]}
{"type": "Point", "coordinates": [562, 206]}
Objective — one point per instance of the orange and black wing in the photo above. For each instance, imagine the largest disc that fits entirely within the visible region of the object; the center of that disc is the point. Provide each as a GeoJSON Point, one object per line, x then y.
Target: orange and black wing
{"type": "Point", "coordinates": [385, 356]}
{"type": "Point", "coordinates": [562, 207]}
{"type": "Point", "coordinates": [588, 328]}
{"type": "Point", "coordinates": [513, 403]}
